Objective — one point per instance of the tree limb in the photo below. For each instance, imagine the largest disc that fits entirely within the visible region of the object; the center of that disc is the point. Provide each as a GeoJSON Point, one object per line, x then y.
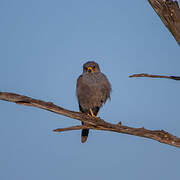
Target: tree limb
{"type": "Point", "coordinates": [70, 128]}
{"type": "Point", "coordinates": [92, 123]}
{"type": "Point", "coordinates": [177, 78]}
{"type": "Point", "coordinates": [169, 12]}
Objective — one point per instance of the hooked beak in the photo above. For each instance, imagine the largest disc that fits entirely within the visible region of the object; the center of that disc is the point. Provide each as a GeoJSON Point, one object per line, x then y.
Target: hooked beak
{"type": "Point", "coordinates": [90, 69]}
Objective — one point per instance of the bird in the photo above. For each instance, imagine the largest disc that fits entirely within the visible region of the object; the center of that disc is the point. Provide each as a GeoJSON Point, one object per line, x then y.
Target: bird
{"type": "Point", "coordinates": [93, 89]}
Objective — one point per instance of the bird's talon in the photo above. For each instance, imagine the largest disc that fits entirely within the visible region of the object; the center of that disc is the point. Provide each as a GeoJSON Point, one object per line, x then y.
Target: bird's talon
{"type": "Point", "coordinates": [94, 116]}
{"type": "Point", "coordinates": [89, 115]}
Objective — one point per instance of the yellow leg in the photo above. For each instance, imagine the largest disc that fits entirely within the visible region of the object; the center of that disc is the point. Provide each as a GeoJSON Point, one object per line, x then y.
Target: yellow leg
{"type": "Point", "coordinates": [92, 114]}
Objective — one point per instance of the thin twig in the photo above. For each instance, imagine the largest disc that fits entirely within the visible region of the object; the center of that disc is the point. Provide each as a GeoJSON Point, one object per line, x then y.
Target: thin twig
{"type": "Point", "coordinates": [92, 123]}
{"type": "Point", "coordinates": [69, 128]}
{"type": "Point", "coordinates": [177, 78]}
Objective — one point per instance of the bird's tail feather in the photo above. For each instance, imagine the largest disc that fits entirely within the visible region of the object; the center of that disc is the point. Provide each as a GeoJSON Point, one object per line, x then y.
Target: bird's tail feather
{"type": "Point", "coordinates": [85, 132]}
{"type": "Point", "coordinates": [84, 135]}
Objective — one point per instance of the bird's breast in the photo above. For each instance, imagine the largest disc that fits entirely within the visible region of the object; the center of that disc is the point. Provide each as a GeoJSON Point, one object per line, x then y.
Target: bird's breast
{"type": "Point", "coordinates": [93, 78]}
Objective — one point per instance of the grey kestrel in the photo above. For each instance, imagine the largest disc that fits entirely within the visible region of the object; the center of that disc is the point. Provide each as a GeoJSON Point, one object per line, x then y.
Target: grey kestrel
{"type": "Point", "coordinates": [92, 90]}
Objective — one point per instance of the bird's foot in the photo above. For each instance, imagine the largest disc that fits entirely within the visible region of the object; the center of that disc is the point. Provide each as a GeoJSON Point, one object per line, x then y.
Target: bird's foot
{"type": "Point", "coordinates": [92, 114]}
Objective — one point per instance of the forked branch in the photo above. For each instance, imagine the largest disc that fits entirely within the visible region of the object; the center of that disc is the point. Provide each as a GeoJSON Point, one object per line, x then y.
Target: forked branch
{"type": "Point", "coordinates": [92, 123]}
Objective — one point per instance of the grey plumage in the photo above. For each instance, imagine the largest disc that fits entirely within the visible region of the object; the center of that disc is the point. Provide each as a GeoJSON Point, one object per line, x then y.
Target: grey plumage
{"type": "Point", "coordinates": [92, 90]}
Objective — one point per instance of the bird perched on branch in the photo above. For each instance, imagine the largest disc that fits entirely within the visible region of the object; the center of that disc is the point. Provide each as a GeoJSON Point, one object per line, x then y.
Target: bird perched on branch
{"type": "Point", "coordinates": [92, 90]}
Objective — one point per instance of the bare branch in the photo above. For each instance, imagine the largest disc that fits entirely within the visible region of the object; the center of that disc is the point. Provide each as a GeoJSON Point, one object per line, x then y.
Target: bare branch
{"type": "Point", "coordinates": [177, 78]}
{"type": "Point", "coordinates": [169, 12]}
{"type": "Point", "coordinates": [69, 128]}
{"type": "Point", "coordinates": [92, 123]}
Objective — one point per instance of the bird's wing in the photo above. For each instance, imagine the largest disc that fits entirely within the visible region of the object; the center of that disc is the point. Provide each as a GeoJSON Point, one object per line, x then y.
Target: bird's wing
{"type": "Point", "coordinates": [82, 89]}
{"type": "Point", "coordinates": [106, 86]}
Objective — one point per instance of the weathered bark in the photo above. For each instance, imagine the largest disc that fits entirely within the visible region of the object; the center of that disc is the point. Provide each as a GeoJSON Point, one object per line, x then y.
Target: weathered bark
{"type": "Point", "coordinates": [92, 123]}
{"type": "Point", "coordinates": [169, 12]}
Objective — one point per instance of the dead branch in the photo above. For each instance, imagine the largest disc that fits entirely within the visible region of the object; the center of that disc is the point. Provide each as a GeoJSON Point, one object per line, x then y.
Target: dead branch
{"type": "Point", "coordinates": [169, 12]}
{"type": "Point", "coordinates": [70, 128]}
{"type": "Point", "coordinates": [92, 123]}
{"type": "Point", "coordinates": [177, 78]}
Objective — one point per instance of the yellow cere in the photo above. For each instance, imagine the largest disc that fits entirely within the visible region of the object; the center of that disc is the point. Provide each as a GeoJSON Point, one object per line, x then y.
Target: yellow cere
{"type": "Point", "coordinates": [91, 69]}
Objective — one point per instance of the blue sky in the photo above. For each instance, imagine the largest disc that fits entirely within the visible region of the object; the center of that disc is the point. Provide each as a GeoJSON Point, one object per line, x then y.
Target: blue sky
{"type": "Point", "coordinates": [43, 47]}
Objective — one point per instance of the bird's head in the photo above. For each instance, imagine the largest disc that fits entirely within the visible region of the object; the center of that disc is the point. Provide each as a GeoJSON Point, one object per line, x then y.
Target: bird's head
{"type": "Point", "coordinates": [91, 67]}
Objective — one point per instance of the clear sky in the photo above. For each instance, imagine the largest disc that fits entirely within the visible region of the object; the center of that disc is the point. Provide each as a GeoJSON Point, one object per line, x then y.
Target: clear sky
{"type": "Point", "coordinates": [43, 47]}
